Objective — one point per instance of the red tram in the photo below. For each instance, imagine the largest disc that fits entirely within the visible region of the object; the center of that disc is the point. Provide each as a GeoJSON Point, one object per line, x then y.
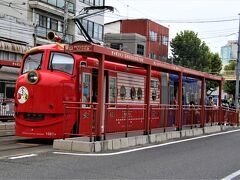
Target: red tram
{"type": "Point", "coordinates": [50, 76]}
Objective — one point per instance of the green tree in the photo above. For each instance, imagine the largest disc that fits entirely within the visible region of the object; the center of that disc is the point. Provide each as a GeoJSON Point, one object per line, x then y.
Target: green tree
{"type": "Point", "coordinates": [214, 66]}
{"type": "Point", "coordinates": [189, 51]}
{"type": "Point", "coordinates": [230, 86]}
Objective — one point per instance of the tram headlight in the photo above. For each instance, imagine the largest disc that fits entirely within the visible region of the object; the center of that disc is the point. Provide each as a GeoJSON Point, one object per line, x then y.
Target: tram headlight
{"type": "Point", "coordinates": [32, 77]}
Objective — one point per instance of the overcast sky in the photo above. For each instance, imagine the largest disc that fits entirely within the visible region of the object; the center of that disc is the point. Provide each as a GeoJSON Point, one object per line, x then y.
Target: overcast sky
{"type": "Point", "coordinates": [172, 14]}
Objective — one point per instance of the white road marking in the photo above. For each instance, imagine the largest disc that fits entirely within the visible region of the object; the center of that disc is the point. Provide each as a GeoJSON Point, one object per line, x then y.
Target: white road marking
{"type": "Point", "coordinates": [23, 156]}
{"type": "Point", "coordinates": [231, 176]}
{"type": "Point", "coordinates": [148, 147]}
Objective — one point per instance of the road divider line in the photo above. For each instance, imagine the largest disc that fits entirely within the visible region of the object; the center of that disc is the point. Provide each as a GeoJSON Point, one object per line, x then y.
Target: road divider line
{"type": "Point", "coordinates": [147, 147]}
{"type": "Point", "coordinates": [23, 156]}
{"type": "Point", "coordinates": [232, 176]}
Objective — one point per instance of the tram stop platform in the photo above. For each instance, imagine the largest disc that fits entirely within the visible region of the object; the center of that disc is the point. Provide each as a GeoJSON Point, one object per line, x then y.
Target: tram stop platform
{"type": "Point", "coordinates": [7, 128]}
{"type": "Point", "coordinates": [82, 144]}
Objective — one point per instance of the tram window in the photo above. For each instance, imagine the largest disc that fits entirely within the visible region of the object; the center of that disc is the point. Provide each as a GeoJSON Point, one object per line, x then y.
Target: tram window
{"type": "Point", "coordinates": [139, 94]}
{"type": "Point", "coordinates": [133, 93]}
{"type": "Point", "coordinates": [32, 62]}
{"type": "Point", "coordinates": [112, 90]}
{"type": "Point", "coordinates": [62, 62]}
{"type": "Point", "coordinates": [171, 94]}
{"type": "Point", "coordinates": [122, 92]}
{"type": "Point", "coordinates": [86, 89]}
{"type": "Point", "coordinates": [154, 84]}
{"type": "Point", "coordinates": [187, 98]}
{"type": "Point", "coordinates": [154, 95]}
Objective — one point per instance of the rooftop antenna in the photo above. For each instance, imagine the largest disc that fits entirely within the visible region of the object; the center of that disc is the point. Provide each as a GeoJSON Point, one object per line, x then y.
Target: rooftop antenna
{"type": "Point", "coordinates": [87, 12]}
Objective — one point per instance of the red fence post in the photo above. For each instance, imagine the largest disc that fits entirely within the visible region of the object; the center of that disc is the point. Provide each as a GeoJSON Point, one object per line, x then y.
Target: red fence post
{"type": "Point", "coordinates": [100, 98]}
{"type": "Point", "coordinates": [179, 123]}
{"type": "Point", "coordinates": [64, 123]}
{"type": "Point", "coordinates": [126, 128]}
{"type": "Point", "coordinates": [203, 103]}
{"type": "Point", "coordinates": [220, 102]}
{"type": "Point", "coordinates": [147, 99]}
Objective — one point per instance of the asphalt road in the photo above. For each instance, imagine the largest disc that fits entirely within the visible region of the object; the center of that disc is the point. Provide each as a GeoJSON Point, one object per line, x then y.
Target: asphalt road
{"type": "Point", "coordinates": [208, 158]}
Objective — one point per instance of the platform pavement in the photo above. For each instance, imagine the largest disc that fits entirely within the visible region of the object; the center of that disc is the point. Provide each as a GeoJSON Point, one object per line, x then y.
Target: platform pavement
{"type": "Point", "coordinates": [83, 145]}
{"type": "Point", "coordinates": [7, 129]}
{"type": "Point", "coordinates": [7, 125]}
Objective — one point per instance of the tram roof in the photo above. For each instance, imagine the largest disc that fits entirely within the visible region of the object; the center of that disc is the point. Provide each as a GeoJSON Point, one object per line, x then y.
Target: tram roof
{"type": "Point", "coordinates": [95, 51]}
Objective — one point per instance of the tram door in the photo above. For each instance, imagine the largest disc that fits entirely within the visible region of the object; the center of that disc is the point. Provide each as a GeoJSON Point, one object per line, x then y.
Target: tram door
{"type": "Point", "coordinates": [86, 110]}
{"type": "Point", "coordinates": [88, 96]}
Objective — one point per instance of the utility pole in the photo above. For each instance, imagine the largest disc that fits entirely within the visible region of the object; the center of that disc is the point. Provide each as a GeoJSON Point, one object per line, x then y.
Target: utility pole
{"type": "Point", "coordinates": [65, 21]}
{"type": "Point", "coordinates": [237, 69]}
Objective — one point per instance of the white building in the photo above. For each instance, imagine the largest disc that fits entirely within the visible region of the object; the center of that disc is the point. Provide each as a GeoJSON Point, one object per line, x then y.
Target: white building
{"type": "Point", "coordinates": [94, 25]}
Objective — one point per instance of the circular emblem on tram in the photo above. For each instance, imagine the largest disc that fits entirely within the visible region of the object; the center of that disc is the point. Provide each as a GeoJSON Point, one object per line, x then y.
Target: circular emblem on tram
{"type": "Point", "coordinates": [22, 94]}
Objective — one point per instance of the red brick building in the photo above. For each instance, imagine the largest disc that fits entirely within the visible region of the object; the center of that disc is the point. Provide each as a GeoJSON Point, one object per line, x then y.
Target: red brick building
{"type": "Point", "coordinates": [157, 36]}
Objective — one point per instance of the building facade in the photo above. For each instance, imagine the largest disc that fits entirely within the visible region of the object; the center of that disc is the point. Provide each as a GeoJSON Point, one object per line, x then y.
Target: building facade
{"type": "Point", "coordinates": [157, 36]}
{"type": "Point", "coordinates": [129, 42]}
{"type": "Point", "coordinates": [94, 25]}
{"type": "Point", "coordinates": [229, 51]}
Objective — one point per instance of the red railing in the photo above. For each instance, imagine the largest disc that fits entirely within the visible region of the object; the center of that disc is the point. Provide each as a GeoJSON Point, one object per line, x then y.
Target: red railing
{"type": "Point", "coordinates": [191, 115]}
{"type": "Point", "coordinates": [85, 112]}
{"type": "Point", "coordinates": [212, 115]}
{"type": "Point", "coordinates": [163, 116]}
{"type": "Point", "coordinates": [230, 116]}
{"type": "Point", "coordinates": [124, 117]}
{"type": "Point", "coordinates": [130, 117]}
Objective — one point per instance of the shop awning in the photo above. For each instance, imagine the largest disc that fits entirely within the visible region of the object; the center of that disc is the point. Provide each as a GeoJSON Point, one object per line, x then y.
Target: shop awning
{"type": "Point", "coordinates": [12, 47]}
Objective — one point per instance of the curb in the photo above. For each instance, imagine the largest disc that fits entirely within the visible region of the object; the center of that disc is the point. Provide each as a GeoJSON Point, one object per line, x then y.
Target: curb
{"type": "Point", "coordinates": [76, 144]}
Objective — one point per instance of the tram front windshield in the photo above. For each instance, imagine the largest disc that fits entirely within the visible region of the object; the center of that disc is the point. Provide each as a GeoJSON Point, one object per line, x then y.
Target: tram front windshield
{"type": "Point", "coordinates": [32, 62]}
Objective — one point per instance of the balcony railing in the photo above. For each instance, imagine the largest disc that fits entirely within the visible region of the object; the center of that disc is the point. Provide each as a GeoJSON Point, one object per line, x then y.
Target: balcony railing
{"type": "Point", "coordinates": [42, 32]}
{"type": "Point", "coordinates": [58, 4]}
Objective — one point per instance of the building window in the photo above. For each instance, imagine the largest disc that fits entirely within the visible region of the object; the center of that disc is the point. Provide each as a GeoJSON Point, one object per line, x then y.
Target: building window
{"type": "Point", "coordinates": [90, 28]}
{"type": "Point", "coordinates": [70, 7]}
{"type": "Point", "coordinates": [60, 26]}
{"type": "Point", "coordinates": [54, 25]}
{"type": "Point", "coordinates": [152, 36]}
{"type": "Point", "coordinates": [94, 30]}
{"type": "Point", "coordinates": [49, 23]}
{"type": "Point", "coordinates": [42, 21]}
{"type": "Point", "coordinates": [98, 31]}
{"type": "Point", "coordinates": [97, 2]}
{"type": "Point", "coordinates": [60, 3]}
{"type": "Point", "coordinates": [140, 49]}
{"type": "Point", "coordinates": [118, 46]}
{"type": "Point", "coordinates": [152, 55]}
{"type": "Point", "coordinates": [93, 2]}
{"type": "Point", "coordinates": [52, 2]}
{"type": "Point", "coordinates": [165, 40]}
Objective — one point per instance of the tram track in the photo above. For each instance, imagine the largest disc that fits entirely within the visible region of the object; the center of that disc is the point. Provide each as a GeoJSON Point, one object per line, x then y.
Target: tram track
{"type": "Point", "coordinates": [11, 145]}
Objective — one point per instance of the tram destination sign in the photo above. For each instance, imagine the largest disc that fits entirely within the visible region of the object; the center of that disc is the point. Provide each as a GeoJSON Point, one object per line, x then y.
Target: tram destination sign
{"type": "Point", "coordinates": [74, 48]}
